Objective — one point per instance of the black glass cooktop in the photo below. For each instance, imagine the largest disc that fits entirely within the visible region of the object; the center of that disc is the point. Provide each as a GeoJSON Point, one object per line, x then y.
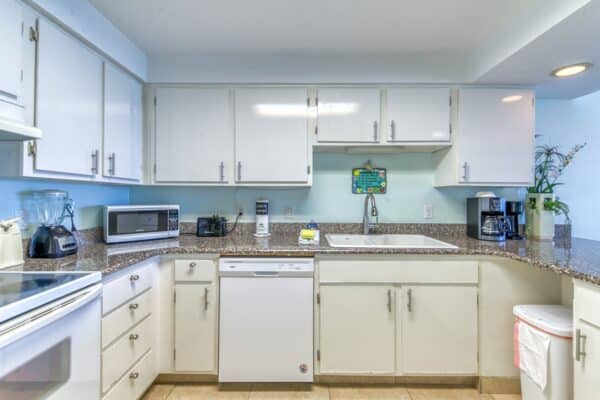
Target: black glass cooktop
{"type": "Point", "coordinates": [16, 286]}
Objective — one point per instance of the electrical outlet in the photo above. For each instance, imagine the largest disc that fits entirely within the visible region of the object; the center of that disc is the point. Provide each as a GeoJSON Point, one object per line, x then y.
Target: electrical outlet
{"type": "Point", "coordinates": [428, 211]}
{"type": "Point", "coordinates": [288, 212]}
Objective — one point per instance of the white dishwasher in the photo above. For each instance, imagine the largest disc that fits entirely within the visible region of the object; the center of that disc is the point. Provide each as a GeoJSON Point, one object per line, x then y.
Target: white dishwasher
{"type": "Point", "coordinates": [266, 320]}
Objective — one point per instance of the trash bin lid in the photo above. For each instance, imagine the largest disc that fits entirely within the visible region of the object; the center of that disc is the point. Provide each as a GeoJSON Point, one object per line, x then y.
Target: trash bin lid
{"type": "Point", "coordinates": [555, 320]}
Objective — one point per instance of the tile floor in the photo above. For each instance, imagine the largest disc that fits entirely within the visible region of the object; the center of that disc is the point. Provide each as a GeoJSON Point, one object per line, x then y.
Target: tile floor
{"type": "Point", "coordinates": [316, 392]}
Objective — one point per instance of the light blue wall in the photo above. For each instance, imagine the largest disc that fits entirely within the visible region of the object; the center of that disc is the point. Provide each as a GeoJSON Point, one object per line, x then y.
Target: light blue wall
{"type": "Point", "coordinates": [88, 198]}
{"type": "Point", "coordinates": [566, 123]}
{"type": "Point", "coordinates": [410, 182]}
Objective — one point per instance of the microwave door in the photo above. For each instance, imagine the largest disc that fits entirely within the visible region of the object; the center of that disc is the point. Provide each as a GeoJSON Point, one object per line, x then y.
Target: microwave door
{"type": "Point", "coordinates": [136, 222]}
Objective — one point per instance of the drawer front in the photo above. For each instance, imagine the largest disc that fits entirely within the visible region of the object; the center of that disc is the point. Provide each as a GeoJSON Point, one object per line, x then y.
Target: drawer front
{"type": "Point", "coordinates": [135, 382]}
{"type": "Point", "coordinates": [585, 303]}
{"type": "Point", "coordinates": [394, 271]}
{"type": "Point", "coordinates": [126, 316]}
{"type": "Point", "coordinates": [195, 270]}
{"type": "Point", "coordinates": [119, 357]}
{"type": "Point", "coordinates": [123, 288]}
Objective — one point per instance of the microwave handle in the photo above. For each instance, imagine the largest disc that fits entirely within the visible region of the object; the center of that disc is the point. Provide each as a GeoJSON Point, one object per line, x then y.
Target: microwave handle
{"type": "Point", "coordinates": [46, 317]}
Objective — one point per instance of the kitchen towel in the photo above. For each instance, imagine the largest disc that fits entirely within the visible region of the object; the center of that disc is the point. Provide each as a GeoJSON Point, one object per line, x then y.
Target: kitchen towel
{"type": "Point", "coordinates": [531, 355]}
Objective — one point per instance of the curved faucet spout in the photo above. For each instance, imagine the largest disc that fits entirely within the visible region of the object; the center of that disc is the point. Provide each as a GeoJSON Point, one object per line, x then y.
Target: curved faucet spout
{"type": "Point", "coordinates": [367, 225]}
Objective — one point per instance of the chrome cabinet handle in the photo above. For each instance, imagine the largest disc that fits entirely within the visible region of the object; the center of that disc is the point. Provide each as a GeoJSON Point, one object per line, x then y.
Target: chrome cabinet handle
{"type": "Point", "coordinates": [409, 303]}
{"type": "Point", "coordinates": [374, 131]}
{"type": "Point", "coordinates": [134, 375]}
{"type": "Point", "coordinates": [579, 346]}
{"type": "Point", "coordinates": [465, 167]}
{"type": "Point", "coordinates": [393, 130]}
{"type": "Point", "coordinates": [192, 265]}
{"type": "Point", "coordinates": [134, 336]}
{"type": "Point", "coordinates": [134, 306]}
{"type": "Point", "coordinates": [239, 170]}
{"type": "Point", "coordinates": [134, 277]}
{"type": "Point", "coordinates": [112, 161]}
{"type": "Point", "coordinates": [389, 300]}
{"type": "Point", "coordinates": [222, 171]}
{"type": "Point", "coordinates": [205, 299]}
{"type": "Point", "coordinates": [95, 155]}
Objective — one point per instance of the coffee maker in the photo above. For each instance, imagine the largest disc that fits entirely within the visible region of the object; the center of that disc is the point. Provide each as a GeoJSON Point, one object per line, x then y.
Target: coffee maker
{"type": "Point", "coordinates": [486, 218]}
{"type": "Point", "coordinates": [513, 210]}
{"type": "Point", "coordinates": [262, 219]}
{"type": "Point", "coordinates": [51, 239]}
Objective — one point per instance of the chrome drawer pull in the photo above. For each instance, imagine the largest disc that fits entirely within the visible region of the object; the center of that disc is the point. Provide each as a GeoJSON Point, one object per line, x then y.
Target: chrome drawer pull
{"type": "Point", "coordinates": [579, 347]}
{"type": "Point", "coordinates": [133, 306]}
{"type": "Point", "coordinates": [193, 265]}
{"type": "Point", "coordinates": [134, 277]}
{"type": "Point", "coordinates": [409, 304]}
{"type": "Point", "coordinates": [134, 336]}
{"type": "Point", "coordinates": [205, 299]}
{"type": "Point", "coordinates": [134, 375]}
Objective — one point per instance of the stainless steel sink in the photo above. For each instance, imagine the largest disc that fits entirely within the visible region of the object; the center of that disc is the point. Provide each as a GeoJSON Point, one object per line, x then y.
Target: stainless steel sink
{"type": "Point", "coordinates": [387, 241]}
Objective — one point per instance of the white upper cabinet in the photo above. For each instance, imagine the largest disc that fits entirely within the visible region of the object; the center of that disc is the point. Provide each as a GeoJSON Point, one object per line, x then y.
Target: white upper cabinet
{"type": "Point", "coordinates": [122, 125]}
{"type": "Point", "coordinates": [496, 136]}
{"type": "Point", "coordinates": [418, 114]}
{"type": "Point", "coordinates": [68, 104]}
{"type": "Point", "coordinates": [271, 135]}
{"type": "Point", "coordinates": [11, 20]}
{"type": "Point", "coordinates": [348, 115]}
{"type": "Point", "coordinates": [493, 142]}
{"type": "Point", "coordinates": [194, 138]}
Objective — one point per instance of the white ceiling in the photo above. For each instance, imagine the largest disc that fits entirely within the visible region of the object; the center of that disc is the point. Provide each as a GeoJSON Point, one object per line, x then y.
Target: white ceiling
{"type": "Point", "coordinates": [471, 41]}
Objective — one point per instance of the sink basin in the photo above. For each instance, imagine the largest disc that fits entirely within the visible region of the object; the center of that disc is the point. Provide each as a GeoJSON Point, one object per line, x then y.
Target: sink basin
{"type": "Point", "coordinates": [387, 241]}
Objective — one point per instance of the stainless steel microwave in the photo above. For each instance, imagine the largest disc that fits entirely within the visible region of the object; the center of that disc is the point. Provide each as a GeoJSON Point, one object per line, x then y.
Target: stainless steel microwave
{"type": "Point", "coordinates": [134, 223]}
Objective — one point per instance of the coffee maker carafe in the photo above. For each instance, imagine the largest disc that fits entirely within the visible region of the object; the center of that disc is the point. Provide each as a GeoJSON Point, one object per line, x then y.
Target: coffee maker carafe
{"type": "Point", "coordinates": [513, 210]}
{"type": "Point", "coordinates": [51, 239]}
{"type": "Point", "coordinates": [486, 218]}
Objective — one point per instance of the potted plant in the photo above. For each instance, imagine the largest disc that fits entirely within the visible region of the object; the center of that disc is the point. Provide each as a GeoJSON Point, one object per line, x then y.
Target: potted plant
{"type": "Point", "coordinates": [541, 203]}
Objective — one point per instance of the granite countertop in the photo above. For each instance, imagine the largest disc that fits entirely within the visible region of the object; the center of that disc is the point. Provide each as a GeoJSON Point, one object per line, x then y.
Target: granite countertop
{"type": "Point", "coordinates": [577, 258]}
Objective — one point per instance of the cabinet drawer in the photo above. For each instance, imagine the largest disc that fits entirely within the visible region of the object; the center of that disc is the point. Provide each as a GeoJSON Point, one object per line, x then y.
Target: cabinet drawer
{"type": "Point", "coordinates": [398, 271]}
{"type": "Point", "coordinates": [125, 287]}
{"type": "Point", "coordinates": [126, 316]}
{"type": "Point", "coordinates": [135, 382]}
{"type": "Point", "coordinates": [586, 301]}
{"type": "Point", "coordinates": [195, 270]}
{"type": "Point", "coordinates": [117, 358]}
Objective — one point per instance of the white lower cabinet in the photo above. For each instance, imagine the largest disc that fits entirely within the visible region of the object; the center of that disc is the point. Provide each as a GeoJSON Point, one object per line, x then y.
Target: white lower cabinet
{"type": "Point", "coordinates": [195, 328]}
{"type": "Point", "coordinates": [437, 331]}
{"type": "Point", "coordinates": [356, 329]}
{"type": "Point", "coordinates": [195, 316]}
{"type": "Point", "coordinates": [586, 341]}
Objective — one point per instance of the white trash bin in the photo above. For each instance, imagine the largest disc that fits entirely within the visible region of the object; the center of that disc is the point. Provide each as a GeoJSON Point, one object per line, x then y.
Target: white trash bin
{"type": "Point", "coordinates": [556, 324]}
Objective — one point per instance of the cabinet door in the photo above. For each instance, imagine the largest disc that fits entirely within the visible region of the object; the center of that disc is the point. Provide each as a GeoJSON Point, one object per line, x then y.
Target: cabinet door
{"type": "Point", "coordinates": [122, 125]}
{"type": "Point", "coordinates": [419, 114]}
{"type": "Point", "coordinates": [356, 329]}
{"type": "Point", "coordinates": [438, 330]}
{"type": "Point", "coordinates": [195, 328]}
{"type": "Point", "coordinates": [68, 104]}
{"type": "Point", "coordinates": [587, 368]}
{"type": "Point", "coordinates": [496, 128]}
{"type": "Point", "coordinates": [348, 115]}
{"type": "Point", "coordinates": [271, 135]}
{"type": "Point", "coordinates": [11, 18]}
{"type": "Point", "coordinates": [194, 140]}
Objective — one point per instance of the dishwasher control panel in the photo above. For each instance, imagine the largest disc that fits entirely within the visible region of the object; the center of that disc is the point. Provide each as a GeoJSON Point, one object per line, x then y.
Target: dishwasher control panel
{"type": "Point", "coordinates": [266, 267]}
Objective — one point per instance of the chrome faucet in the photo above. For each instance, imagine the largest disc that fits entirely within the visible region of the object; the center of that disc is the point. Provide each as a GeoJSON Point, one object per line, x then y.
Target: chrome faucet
{"type": "Point", "coordinates": [367, 225]}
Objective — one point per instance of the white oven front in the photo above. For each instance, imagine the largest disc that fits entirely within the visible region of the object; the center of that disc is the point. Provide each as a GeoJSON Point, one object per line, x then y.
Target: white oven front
{"type": "Point", "coordinates": [53, 352]}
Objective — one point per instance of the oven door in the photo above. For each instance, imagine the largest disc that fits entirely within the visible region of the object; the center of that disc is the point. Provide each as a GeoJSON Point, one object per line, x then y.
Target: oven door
{"type": "Point", "coordinates": [53, 352]}
{"type": "Point", "coordinates": [133, 225]}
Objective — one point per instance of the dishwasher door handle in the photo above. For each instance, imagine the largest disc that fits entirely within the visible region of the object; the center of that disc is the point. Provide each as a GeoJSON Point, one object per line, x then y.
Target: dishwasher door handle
{"type": "Point", "coordinates": [266, 273]}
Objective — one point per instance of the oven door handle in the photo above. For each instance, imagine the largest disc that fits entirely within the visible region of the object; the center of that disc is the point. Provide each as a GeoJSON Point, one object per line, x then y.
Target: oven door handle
{"type": "Point", "coordinates": [47, 314]}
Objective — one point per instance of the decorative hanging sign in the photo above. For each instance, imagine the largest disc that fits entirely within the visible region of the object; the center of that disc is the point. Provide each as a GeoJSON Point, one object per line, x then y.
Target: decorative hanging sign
{"type": "Point", "coordinates": [369, 180]}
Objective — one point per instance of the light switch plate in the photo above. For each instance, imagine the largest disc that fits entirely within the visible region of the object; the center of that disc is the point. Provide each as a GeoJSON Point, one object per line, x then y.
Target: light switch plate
{"type": "Point", "coordinates": [428, 211]}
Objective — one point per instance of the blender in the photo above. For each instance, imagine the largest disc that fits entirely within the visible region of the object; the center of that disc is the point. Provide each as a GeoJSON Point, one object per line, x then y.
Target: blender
{"type": "Point", "coordinates": [51, 239]}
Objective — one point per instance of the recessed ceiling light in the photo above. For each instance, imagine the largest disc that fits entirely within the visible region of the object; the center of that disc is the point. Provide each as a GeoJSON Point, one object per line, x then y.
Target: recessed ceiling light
{"type": "Point", "coordinates": [570, 70]}
{"type": "Point", "coordinates": [512, 99]}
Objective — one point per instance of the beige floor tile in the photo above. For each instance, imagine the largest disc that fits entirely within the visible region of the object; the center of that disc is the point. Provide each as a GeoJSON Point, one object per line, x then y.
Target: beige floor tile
{"type": "Point", "coordinates": [209, 392]}
{"type": "Point", "coordinates": [158, 392]}
{"type": "Point", "coordinates": [289, 392]}
{"type": "Point", "coordinates": [444, 394]}
{"type": "Point", "coordinates": [506, 397]}
{"type": "Point", "coordinates": [368, 393]}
